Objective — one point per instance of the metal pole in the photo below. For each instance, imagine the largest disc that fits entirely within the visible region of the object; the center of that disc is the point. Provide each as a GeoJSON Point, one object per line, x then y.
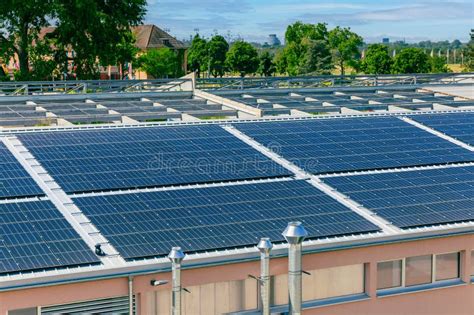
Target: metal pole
{"type": "Point", "coordinates": [265, 246]}
{"type": "Point", "coordinates": [130, 295]}
{"type": "Point", "coordinates": [176, 256]}
{"type": "Point", "coordinates": [295, 235]}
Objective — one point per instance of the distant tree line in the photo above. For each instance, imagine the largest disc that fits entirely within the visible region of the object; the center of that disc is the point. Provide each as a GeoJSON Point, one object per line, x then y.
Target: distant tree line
{"type": "Point", "coordinates": [313, 49]}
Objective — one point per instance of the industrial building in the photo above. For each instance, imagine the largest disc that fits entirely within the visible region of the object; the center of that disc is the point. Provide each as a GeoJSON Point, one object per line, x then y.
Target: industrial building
{"type": "Point", "coordinates": [94, 202]}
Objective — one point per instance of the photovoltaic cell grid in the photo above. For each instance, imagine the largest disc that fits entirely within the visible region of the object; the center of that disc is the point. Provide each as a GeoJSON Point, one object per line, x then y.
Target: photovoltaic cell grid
{"type": "Point", "coordinates": [14, 180]}
{"type": "Point", "coordinates": [330, 146]}
{"type": "Point", "coordinates": [34, 235]}
{"type": "Point", "coordinates": [149, 224]}
{"type": "Point", "coordinates": [414, 198]}
{"type": "Point", "coordinates": [143, 157]}
{"type": "Point", "coordinates": [456, 125]}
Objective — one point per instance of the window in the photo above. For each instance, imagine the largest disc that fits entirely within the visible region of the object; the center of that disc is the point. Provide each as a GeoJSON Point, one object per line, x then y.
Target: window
{"type": "Point", "coordinates": [418, 270]}
{"type": "Point", "coordinates": [472, 263]}
{"type": "Point", "coordinates": [322, 284]}
{"type": "Point", "coordinates": [389, 274]}
{"type": "Point", "coordinates": [447, 266]}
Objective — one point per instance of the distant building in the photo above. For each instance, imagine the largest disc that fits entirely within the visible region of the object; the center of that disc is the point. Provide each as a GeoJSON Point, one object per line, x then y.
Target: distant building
{"type": "Point", "coordinates": [273, 40]}
{"type": "Point", "coordinates": [385, 40]}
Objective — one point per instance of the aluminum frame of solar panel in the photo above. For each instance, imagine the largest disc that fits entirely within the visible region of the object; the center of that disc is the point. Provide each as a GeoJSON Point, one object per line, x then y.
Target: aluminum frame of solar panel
{"type": "Point", "coordinates": [148, 224]}
{"type": "Point", "coordinates": [323, 146]}
{"type": "Point", "coordinates": [414, 198]}
{"type": "Point", "coordinates": [34, 235]}
{"type": "Point", "coordinates": [96, 160]}
{"type": "Point", "coordinates": [14, 180]}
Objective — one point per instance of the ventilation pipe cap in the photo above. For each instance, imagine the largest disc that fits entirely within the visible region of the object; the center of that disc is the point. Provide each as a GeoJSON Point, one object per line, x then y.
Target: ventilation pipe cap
{"type": "Point", "coordinates": [176, 255]}
{"type": "Point", "coordinates": [265, 245]}
{"type": "Point", "coordinates": [295, 233]}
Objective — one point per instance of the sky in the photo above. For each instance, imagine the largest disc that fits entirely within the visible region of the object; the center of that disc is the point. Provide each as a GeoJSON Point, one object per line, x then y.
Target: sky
{"type": "Point", "coordinates": [253, 20]}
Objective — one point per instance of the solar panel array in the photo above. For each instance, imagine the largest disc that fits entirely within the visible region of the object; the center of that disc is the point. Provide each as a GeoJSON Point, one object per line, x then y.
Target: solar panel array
{"type": "Point", "coordinates": [14, 180]}
{"type": "Point", "coordinates": [144, 157]}
{"type": "Point", "coordinates": [34, 235]}
{"type": "Point", "coordinates": [149, 224]}
{"type": "Point", "coordinates": [336, 145]}
{"type": "Point", "coordinates": [456, 125]}
{"type": "Point", "coordinates": [414, 198]}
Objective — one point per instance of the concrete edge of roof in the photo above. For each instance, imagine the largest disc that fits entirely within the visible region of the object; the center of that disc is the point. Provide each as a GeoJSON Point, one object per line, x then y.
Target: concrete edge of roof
{"type": "Point", "coordinates": [220, 121]}
{"type": "Point", "coordinates": [230, 256]}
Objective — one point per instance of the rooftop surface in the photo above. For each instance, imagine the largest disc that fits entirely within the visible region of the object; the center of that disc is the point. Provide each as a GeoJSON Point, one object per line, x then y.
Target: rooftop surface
{"type": "Point", "coordinates": [216, 187]}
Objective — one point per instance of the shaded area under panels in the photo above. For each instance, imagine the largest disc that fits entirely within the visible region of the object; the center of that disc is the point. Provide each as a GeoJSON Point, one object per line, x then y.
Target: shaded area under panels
{"type": "Point", "coordinates": [457, 125]}
{"type": "Point", "coordinates": [201, 219]}
{"type": "Point", "coordinates": [34, 235]}
{"type": "Point", "coordinates": [414, 198]}
{"type": "Point", "coordinates": [14, 180]}
{"type": "Point", "coordinates": [337, 145]}
{"type": "Point", "coordinates": [100, 160]}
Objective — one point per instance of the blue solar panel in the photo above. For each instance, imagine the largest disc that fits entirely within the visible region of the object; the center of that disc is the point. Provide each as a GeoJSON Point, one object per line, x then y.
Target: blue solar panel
{"type": "Point", "coordinates": [143, 157]}
{"type": "Point", "coordinates": [456, 125]}
{"type": "Point", "coordinates": [149, 224]}
{"type": "Point", "coordinates": [335, 145]}
{"type": "Point", "coordinates": [414, 198]}
{"type": "Point", "coordinates": [34, 235]}
{"type": "Point", "coordinates": [14, 180]}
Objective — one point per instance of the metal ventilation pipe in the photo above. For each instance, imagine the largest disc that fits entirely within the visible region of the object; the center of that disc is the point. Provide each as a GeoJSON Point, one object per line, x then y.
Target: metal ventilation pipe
{"type": "Point", "coordinates": [176, 256]}
{"type": "Point", "coordinates": [295, 235]}
{"type": "Point", "coordinates": [265, 246]}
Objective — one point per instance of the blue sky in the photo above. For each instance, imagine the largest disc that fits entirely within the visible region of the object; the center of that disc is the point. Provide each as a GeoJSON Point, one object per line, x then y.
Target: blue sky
{"type": "Point", "coordinates": [253, 20]}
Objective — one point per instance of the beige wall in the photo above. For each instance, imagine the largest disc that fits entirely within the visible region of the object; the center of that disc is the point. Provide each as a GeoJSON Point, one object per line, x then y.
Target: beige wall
{"type": "Point", "coordinates": [446, 301]}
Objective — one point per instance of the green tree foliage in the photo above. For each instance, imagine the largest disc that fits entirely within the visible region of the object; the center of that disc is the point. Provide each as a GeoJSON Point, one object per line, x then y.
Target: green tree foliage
{"type": "Point", "coordinates": [411, 60]}
{"type": "Point", "coordinates": [159, 63]}
{"type": "Point", "coordinates": [242, 58]}
{"type": "Point", "coordinates": [318, 59]}
{"type": "Point", "coordinates": [197, 55]}
{"type": "Point", "coordinates": [469, 55]}
{"type": "Point", "coordinates": [298, 37]}
{"type": "Point", "coordinates": [345, 46]}
{"type": "Point", "coordinates": [20, 22]}
{"type": "Point", "coordinates": [217, 49]}
{"type": "Point", "coordinates": [438, 64]}
{"type": "Point", "coordinates": [95, 30]}
{"type": "Point", "coordinates": [266, 66]}
{"type": "Point", "coordinates": [377, 60]}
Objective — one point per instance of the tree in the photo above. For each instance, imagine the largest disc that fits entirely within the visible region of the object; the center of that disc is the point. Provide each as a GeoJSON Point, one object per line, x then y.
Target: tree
{"type": "Point", "coordinates": [20, 22]}
{"type": "Point", "coordinates": [411, 60]}
{"type": "Point", "coordinates": [217, 49]}
{"type": "Point", "coordinates": [266, 66]}
{"type": "Point", "coordinates": [242, 58]}
{"type": "Point", "coordinates": [197, 55]}
{"type": "Point", "coordinates": [298, 36]}
{"type": "Point", "coordinates": [159, 63]}
{"type": "Point", "coordinates": [469, 54]}
{"type": "Point", "coordinates": [97, 31]}
{"type": "Point", "coordinates": [345, 46]}
{"type": "Point", "coordinates": [318, 59]}
{"type": "Point", "coordinates": [377, 60]}
{"type": "Point", "coordinates": [438, 64]}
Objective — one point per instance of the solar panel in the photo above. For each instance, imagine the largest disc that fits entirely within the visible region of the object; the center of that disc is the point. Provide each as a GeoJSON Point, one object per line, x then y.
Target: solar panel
{"type": "Point", "coordinates": [149, 224]}
{"type": "Point", "coordinates": [335, 145]}
{"type": "Point", "coordinates": [143, 157]}
{"type": "Point", "coordinates": [14, 180]}
{"type": "Point", "coordinates": [456, 125]}
{"type": "Point", "coordinates": [34, 235]}
{"type": "Point", "coordinates": [414, 198]}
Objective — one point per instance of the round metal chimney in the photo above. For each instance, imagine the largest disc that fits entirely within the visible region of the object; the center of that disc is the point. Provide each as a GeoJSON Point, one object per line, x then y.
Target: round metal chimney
{"type": "Point", "coordinates": [295, 233]}
{"type": "Point", "coordinates": [265, 245]}
{"type": "Point", "coordinates": [176, 255]}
